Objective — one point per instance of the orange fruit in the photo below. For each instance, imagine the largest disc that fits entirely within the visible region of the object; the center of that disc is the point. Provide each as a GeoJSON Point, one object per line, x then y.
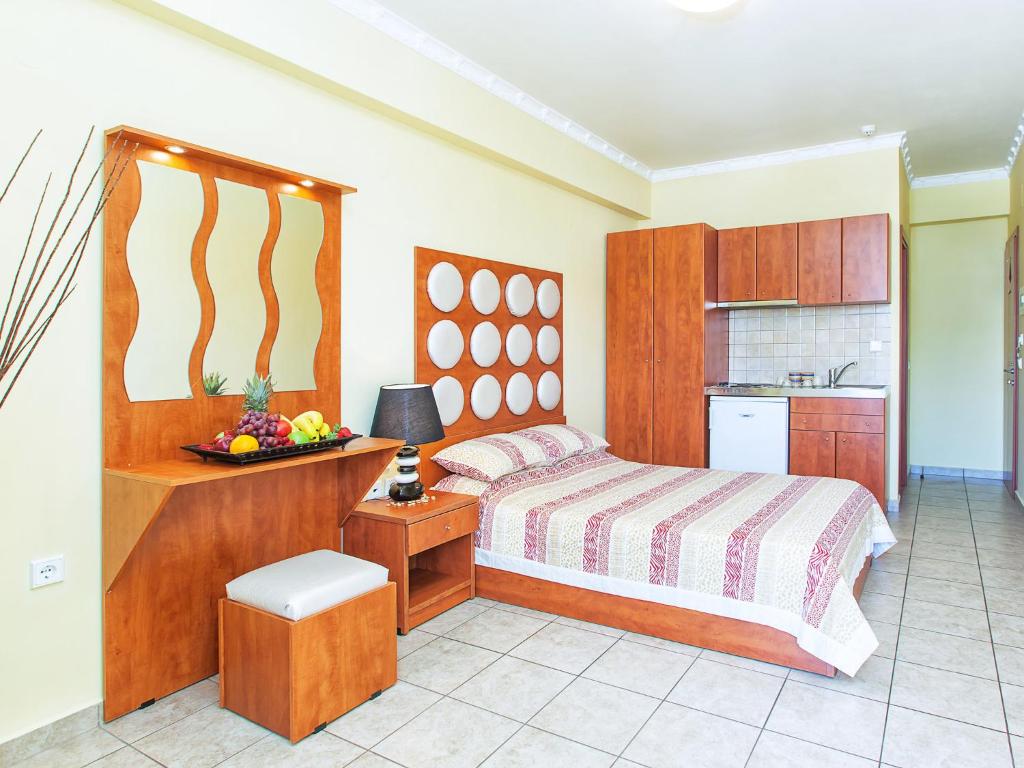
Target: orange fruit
{"type": "Point", "coordinates": [244, 444]}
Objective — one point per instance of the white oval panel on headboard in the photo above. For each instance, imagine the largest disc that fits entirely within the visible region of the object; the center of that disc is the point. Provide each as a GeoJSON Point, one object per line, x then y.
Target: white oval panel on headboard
{"type": "Point", "coordinates": [485, 344]}
{"type": "Point", "coordinates": [445, 344]}
{"type": "Point", "coordinates": [548, 298]}
{"type": "Point", "coordinates": [451, 399]}
{"type": "Point", "coordinates": [549, 345]}
{"type": "Point", "coordinates": [549, 391]}
{"type": "Point", "coordinates": [519, 393]}
{"type": "Point", "coordinates": [519, 295]}
{"type": "Point", "coordinates": [485, 397]}
{"type": "Point", "coordinates": [484, 291]}
{"type": "Point", "coordinates": [444, 286]}
{"type": "Point", "coordinates": [518, 344]}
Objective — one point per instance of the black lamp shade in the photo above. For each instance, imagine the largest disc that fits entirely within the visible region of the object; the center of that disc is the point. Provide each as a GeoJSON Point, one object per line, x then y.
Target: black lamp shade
{"type": "Point", "coordinates": [407, 412]}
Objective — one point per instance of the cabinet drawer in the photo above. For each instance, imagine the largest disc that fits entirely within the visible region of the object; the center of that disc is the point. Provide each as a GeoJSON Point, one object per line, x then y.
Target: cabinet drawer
{"type": "Point", "coordinates": [441, 528]}
{"type": "Point", "coordinates": [831, 422]}
{"type": "Point", "coordinates": [868, 406]}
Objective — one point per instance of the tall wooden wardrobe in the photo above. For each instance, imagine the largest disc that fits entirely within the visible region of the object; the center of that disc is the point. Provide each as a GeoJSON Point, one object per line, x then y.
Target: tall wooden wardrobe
{"type": "Point", "coordinates": [666, 341]}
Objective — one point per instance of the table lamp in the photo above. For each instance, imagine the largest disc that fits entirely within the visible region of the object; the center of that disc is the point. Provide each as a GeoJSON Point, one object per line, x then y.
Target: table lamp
{"type": "Point", "coordinates": [407, 412]}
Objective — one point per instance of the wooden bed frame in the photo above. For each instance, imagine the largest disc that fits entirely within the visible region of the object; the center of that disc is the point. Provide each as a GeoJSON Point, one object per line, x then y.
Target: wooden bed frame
{"type": "Point", "coordinates": [682, 625]}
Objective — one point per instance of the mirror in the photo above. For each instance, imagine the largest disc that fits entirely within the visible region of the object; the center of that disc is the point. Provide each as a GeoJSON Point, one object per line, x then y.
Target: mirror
{"type": "Point", "coordinates": [293, 271]}
{"type": "Point", "coordinates": [232, 267]}
{"type": "Point", "coordinates": [159, 255]}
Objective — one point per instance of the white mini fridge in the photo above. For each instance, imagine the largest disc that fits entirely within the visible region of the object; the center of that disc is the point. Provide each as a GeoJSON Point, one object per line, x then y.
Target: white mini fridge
{"type": "Point", "coordinates": [749, 434]}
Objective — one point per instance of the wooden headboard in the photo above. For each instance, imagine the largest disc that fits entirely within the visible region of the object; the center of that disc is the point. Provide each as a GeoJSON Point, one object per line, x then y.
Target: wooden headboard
{"type": "Point", "coordinates": [454, 295]}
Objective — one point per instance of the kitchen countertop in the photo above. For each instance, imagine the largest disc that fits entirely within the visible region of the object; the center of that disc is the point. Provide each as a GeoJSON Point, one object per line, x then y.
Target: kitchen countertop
{"type": "Point", "coordinates": [876, 391]}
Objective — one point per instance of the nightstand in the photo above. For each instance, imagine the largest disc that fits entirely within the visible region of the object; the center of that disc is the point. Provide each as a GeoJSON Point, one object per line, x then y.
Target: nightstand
{"type": "Point", "coordinates": [426, 547]}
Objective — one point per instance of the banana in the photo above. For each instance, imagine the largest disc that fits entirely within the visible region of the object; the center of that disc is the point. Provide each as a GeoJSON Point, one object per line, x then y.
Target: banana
{"type": "Point", "coordinates": [325, 429]}
{"type": "Point", "coordinates": [311, 423]}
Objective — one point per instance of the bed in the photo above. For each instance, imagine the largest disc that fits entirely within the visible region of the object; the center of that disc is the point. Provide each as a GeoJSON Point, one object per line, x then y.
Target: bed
{"type": "Point", "coordinates": [764, 566]}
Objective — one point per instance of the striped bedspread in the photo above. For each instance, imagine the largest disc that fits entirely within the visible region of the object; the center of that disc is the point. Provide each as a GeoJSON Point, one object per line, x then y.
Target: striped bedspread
{"type": "Point", "coordinates": [774, 549]}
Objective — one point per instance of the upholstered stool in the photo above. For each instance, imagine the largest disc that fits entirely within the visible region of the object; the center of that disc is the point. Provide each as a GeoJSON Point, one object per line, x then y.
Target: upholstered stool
{"type": "Point", "coordinates": [305, 640]}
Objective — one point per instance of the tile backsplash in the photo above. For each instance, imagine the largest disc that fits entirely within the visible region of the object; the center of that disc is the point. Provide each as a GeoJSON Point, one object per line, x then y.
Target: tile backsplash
{"type": "Point", "coordinates": [766, 343]}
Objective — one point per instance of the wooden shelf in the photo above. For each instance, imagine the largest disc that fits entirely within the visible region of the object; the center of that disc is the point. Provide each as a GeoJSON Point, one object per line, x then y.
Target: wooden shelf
{"type": "Point", "coordinates": [192, 469]}
{"type": "Point", "coordinates": [427, 587]}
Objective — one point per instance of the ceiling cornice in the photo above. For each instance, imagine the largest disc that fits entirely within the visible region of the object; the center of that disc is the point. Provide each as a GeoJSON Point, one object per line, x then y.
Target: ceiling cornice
{"type": "Point", "coordinates": [884, 141]}
{"type": "Point", "coordinates": [966, 177]}
{"type": "Point", "coordinates": [394, 26]}
{"type": "Point", "coordinates": [1018, 137]}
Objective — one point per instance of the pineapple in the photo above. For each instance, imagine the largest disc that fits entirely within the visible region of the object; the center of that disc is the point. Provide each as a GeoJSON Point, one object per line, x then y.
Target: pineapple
{"type": "Point", "coordinates": [214, 382]}
{"type": "Point", "coordinates": [257, 391]}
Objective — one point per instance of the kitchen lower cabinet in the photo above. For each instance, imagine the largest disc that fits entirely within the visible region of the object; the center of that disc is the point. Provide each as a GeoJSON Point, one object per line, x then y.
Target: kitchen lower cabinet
{"type": "Point", "coordinates": [821, 446]}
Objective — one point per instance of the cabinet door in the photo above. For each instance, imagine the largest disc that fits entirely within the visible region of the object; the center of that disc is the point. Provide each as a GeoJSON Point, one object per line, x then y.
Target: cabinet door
{"type": "Point", "coordinates": [861, 457]}
{"type": "Point", "coordinates": [630, 339]}
{"type": "Point", "coordinates": [819, 261]}
{"type": "Point", "coordinates": [736, 269]}
{"type": "Point", "coordinates": [680, 407]}
{"type": "Point", "coordinates": [776, 262]}
{"type": "Point", "coordinates": [812, 453]}
{"type": "Point", "coordinates": [866, 258]}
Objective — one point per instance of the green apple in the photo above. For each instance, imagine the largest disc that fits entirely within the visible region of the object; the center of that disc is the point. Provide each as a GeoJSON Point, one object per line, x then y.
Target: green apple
{"type": "Point", "coordinates": [298, 437]}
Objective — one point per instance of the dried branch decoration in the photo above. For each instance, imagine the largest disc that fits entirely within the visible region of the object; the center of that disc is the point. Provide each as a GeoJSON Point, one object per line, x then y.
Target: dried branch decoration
{"type": "Point", "coordinates": [37, 293]}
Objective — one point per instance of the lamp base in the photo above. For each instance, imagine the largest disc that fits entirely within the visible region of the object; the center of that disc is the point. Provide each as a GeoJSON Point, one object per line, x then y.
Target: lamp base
{"type": "Point", "coordinates": [407, 486]}
{"type": "Point", "coordinates": [403, 492]}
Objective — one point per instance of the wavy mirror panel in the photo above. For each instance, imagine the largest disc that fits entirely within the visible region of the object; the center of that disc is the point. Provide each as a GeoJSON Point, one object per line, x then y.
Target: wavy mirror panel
{"type": "Point", "coordinates": [159, 255]}
{"type": "Point", "coordinates": [293, 271]}
{"type": "Point", "coordinates": [232, 267]}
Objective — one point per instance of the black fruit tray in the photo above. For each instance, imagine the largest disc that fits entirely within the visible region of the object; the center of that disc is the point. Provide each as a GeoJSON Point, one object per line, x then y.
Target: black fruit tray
{"type": "Point", "coordinates": [266, 454]}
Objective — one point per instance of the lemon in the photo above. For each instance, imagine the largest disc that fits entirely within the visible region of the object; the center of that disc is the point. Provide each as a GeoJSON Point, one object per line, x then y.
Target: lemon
{"type": "Point", "coordinates": [244, 444]}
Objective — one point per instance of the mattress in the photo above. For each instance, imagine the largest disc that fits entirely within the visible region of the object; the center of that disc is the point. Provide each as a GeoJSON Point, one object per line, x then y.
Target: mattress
{"type": "Point", "coordinates": [778, 550]}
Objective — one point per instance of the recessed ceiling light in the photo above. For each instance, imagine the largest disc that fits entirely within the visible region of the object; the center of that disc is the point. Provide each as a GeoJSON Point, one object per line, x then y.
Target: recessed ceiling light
{"type": "Point", "coordinates": [176, 150]}
{"type": "Point", "coordinates": [703, 6]}
{"type": "Point", "coordinates": [306, 183]}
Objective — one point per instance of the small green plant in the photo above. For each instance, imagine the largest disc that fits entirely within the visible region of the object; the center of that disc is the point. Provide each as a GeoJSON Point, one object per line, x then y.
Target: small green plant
{"type": "Point", "coordinates": [214, 383]}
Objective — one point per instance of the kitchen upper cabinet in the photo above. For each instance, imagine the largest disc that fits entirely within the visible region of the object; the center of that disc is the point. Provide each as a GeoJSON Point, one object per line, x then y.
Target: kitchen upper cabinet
{"type": "Point", "coordinates": [820, 262]}
{"type": "Point", "coordinates": [812, 453]}
{"type": "Point", "coordinates": [775, 264]}
{"type": "Point", "coordinates": [866, 259]}
{"type": "Point", "coordinates": [736, 264]}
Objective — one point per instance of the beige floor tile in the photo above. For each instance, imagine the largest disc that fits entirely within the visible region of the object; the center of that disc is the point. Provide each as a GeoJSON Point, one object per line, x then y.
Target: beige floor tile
{"type": "Point", "coordinates": [721, 689]}
{"type": "Point", "coordinates": [678, 736]}
{"type": "Point", "coordinates": [525, 611]}
{"type": "Point", "coordinates": [531, 748]}
{"type": "Point", "coordinates": [370, 760]}
{"type": "Point", "coordinates": [878, 607]}
{"type": "Point", "coordinates": [944, 536]}
{"type": "Point", "coordinates": [596, 714]}
{"type": "Point", "coordinates": [963, 622]}
{"type": "Point", "coordinates": [1002, 578]}
{"type": "Point", "coordinates": [956, 654]}
{"type": "Point", "coordinates": [76, 752]}
{"type": "Point", "coordinates": [496, 630]}
{"type": "Point", "coordinates": [1013, 701]}
{"type": "Point", "coordinates": [640, 668]}
{"type": "Point", "coordinates": [886, 635]}
{"type": "Point", "coordinates": [945, 592]}
{"type": "Point", "coordinates": [919, 740]}
{"type": "Point", "coordinates": [1007, 601]}
{"type": "Point", "coordinates": [965, 573]}
{"type": "Point", "coordinates": [451, 618]}
{"type": "Point", "coordinates": [996, 559]}
{"type": "Point", "coordinates": [443, 665]}
{"type": "Point", "coordinates": [871, 681]}
{"type": "Point", "coordinates": [1016, 746]}
{"type": "Point", "coordinates": [1007, 630]}
{"type": "Point", "coordinates": [935, 551]}
{"type": "Point", "coordinates": [623, 763]}
{"type": "Point", "coordinates": [413, 641]}
{"type": "Point", "coordinates": [591, 627]}
{"type": "Point", "coordinates": [448, 735]}
{"type": "Point", "coordinates": [925, 524]}
{"type": "Point", "coordinates": [165, 711]}
{"type": "Point", "coordinates": [566, 648]}
{"type": "Point", "coordinates": [321, 750]}
{"type": "Point", "coordinates": [1010, 661]}
{"type": "Point", "coordinates": [514, 688]}
{"type": "Point", "coordinates": [928, 509]}
{"type": "Point", "coordinates": [774, 750]}
{"type": "Point", "coordinates": [837, 720]}
{"type": "Point", "coordinates": [947, 694]}
{"type": "Point", "coordinates": [202, 739]}
{"type": "Point", "coordinates": [377, 719]}
{"type": "Point", "coordinates": [744, 663]}
{"type": "Point", "coordinates": [885, 583]}
{"type": "Point", "coordinates": [126, 757]}
{"type": "Point", "coordinates": [891, 563]}
{"type": "Point", "coordinates": [998, 543]}
{"type": "Point", "coordinates": [1003, 530]}
{"type": "Point", "coordinates": [667, 645]}
{"type": "Point", "coordinates": [57, 732]}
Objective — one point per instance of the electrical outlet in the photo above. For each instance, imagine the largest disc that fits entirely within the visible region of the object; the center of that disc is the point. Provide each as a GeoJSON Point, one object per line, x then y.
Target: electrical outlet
{"type": "Point", "coordinates": [48, 571]}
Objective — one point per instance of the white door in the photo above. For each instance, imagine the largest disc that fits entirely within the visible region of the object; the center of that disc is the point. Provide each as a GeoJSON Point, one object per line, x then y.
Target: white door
{"type": "Point", "coordinates": [750, 434]}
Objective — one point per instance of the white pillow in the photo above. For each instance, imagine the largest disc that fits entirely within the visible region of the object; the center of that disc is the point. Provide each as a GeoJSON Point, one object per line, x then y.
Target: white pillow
{"type": "Point", "coordinates": [461, 484]}
{"type": "Point", "coordinates": [560, 441]}
{"type": "Point", "coordinates": [492, 457]}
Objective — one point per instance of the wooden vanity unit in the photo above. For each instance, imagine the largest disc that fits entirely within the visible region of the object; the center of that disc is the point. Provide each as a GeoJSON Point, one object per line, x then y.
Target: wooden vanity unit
{"type": "Point", "coordinates": [176, 529]}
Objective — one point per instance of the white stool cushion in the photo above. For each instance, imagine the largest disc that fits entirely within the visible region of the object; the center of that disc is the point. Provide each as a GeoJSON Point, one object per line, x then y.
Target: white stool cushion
{"type": "Point", "coordinates": [301, 586]}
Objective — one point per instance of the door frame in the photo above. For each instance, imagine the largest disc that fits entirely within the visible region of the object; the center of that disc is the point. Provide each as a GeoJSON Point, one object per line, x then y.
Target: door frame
{"type": "Point", "coordinates": [1012, 255]}
{"type": "Point", "coordinates": [904, 385]}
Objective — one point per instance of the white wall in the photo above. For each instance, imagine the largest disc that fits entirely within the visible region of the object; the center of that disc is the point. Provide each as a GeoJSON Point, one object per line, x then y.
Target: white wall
{"type": "Point", "coordinates": [69, 64]}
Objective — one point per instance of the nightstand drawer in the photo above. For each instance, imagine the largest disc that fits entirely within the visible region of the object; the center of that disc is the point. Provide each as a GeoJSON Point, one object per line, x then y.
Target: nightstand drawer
{"type": "Point", "coordinates": [441, 528]}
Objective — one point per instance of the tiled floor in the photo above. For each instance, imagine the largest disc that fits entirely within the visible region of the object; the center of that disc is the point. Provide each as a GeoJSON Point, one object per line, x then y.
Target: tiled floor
{"type": "Point", "coordinates": [502, 687]}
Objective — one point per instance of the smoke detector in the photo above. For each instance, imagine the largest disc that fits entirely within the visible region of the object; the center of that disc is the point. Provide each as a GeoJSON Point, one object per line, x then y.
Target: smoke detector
{"type": "Point", "coordinates": [868, 130]}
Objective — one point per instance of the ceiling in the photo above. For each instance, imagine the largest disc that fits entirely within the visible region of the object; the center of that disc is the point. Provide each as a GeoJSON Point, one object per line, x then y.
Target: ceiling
{"type": "Point", "coordinates": [674, 89]}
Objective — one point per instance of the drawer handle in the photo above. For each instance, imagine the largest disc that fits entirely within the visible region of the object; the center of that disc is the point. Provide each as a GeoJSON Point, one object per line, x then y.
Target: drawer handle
{"type": "Point", "coordinates": [447, 526]}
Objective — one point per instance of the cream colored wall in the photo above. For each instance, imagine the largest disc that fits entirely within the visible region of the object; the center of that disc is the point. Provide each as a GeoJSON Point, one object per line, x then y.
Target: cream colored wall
{"type": "Point", "coordinates": [956, 336]}
{"type": "Point", "coordinates": [847, 185]}
{"type": "Point", "coordinates": [1015, 222]}
{"type": "Point", "coordinates": [102, 63]}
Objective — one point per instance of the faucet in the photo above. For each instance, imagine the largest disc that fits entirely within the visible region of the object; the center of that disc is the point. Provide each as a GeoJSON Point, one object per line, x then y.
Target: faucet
{"type": "Point", "coordinates": [835, 374]}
